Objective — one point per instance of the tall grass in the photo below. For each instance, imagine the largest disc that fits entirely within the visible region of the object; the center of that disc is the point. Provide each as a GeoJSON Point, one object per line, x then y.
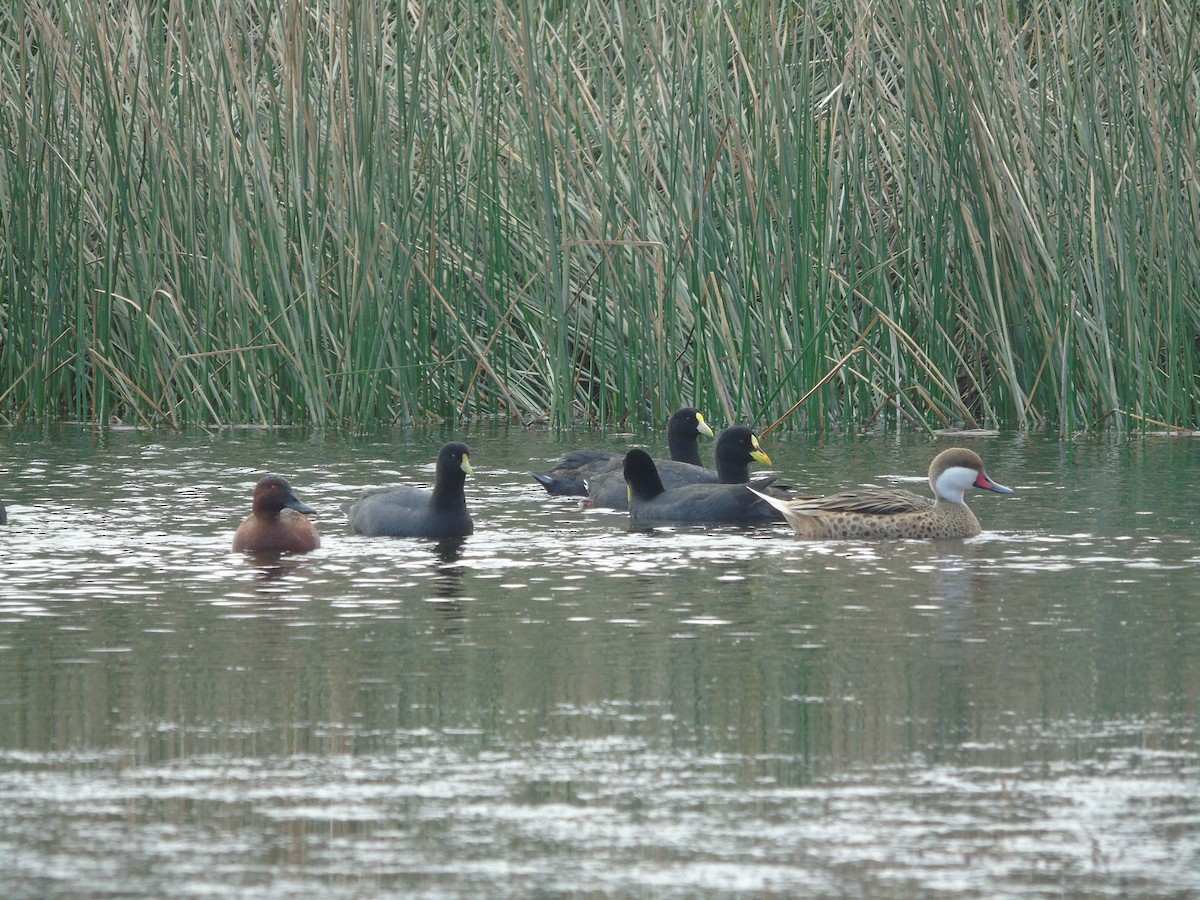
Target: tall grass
{"type": "Point", "coordinates": [340, 212]}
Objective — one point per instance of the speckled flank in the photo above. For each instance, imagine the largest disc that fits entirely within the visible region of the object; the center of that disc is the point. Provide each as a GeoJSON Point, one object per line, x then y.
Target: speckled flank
{"type": "Point", "coordinates": [941, 521]}
{"type": "Point", "coordinates": [881, 513]}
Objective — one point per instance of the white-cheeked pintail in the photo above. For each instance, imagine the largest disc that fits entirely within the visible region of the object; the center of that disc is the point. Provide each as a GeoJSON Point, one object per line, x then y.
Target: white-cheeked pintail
{"type": "Point", "coordinates": [883, 513]}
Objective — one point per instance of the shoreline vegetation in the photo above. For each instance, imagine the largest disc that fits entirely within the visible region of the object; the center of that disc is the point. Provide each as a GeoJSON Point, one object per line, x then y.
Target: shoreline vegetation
{"type": "Point", "coordinates": [828, 215]}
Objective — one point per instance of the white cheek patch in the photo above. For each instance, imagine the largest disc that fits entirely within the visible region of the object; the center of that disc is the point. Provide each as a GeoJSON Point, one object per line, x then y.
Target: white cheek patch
{"type": "Point", "coordinates": [953, 483]}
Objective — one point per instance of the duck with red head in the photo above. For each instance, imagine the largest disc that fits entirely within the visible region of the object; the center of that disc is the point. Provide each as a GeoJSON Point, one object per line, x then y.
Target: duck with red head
{"type": "Point", "coordinates": [278, 523]}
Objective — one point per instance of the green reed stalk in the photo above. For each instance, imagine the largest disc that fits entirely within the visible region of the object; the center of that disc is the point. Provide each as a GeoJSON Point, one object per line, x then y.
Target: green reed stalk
{"type": "Point", "coordinates": [341, 214]}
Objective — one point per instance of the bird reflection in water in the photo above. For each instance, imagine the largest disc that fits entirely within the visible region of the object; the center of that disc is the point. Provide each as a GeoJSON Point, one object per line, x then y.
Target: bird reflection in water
{"type": "Point", "coordinates": [447, 591]}
{"type": "Point", "coordinates": [271, 567]}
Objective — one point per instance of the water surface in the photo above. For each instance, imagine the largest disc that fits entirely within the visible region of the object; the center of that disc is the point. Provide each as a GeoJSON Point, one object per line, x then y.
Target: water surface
{"type": "Point", "coordinates": [559, 705]}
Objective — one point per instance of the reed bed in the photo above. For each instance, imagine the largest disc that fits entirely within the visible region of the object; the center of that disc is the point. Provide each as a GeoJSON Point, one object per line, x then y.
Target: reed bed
{"type": "Point", "coordinates": [836, 214]}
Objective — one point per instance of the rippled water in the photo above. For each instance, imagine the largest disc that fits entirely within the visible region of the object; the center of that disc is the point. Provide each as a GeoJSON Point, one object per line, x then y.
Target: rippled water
{"type": "Point", "coordinates": [558, 705]}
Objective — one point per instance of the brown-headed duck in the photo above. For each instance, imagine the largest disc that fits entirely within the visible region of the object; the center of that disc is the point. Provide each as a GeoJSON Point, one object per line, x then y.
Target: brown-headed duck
{"type": "Point", "coordinates": [279, 522]}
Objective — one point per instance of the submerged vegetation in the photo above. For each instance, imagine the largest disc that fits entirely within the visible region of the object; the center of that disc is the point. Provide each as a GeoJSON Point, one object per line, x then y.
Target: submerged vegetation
{"type": "Point", "coordinates": [837, 212]}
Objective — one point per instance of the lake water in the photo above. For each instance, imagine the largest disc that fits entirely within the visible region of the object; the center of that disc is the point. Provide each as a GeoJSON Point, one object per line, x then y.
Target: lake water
{"type": "Point", "coordinates": [559, 706]}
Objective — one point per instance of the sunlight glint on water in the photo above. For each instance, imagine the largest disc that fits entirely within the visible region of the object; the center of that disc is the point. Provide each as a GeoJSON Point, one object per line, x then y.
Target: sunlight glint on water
{"type": "Point", "coordinates": [560, 705]}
